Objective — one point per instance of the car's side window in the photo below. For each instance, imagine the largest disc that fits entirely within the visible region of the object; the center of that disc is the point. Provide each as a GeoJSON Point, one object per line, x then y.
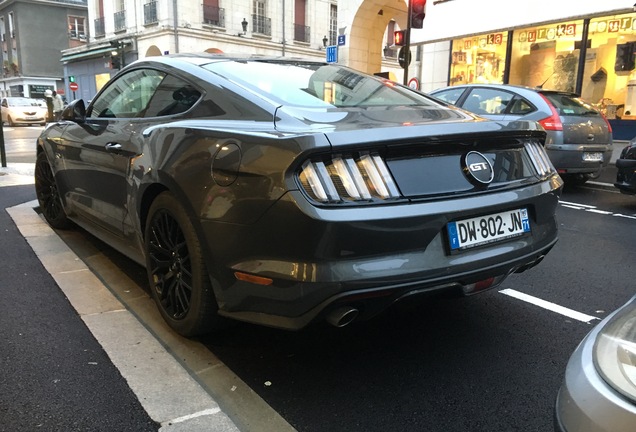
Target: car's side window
{"type": "Point", "coordinates": [128, 95]}
{"type": "Point", "coordinates": [521, 106]}
{"type": "Point", "coordinates": [487, 101]}
{"type": "Point", "coordinates": [173, 96]}
{"type": "Point", "coordinates": [451, 95]}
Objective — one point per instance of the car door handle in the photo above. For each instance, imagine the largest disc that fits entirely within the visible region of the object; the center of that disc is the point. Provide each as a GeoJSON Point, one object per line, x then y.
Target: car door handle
{"type": "Point", "coordinates": [113, 147]}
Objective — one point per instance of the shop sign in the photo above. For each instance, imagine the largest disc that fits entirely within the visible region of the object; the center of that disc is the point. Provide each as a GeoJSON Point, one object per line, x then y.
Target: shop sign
{"type": "Point", "coordinates": [489, 39]}
{"type": "Point", "coordinates": [548, 33]}
{"type": "Point", "coordinates": [613, 26]}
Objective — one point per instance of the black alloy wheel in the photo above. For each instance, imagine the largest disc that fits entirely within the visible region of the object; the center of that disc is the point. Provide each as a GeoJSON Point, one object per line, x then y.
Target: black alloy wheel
{"type": "Point", "coordinates": [48, 195]}
{"type": "Point", "coordinates": [179, 281]}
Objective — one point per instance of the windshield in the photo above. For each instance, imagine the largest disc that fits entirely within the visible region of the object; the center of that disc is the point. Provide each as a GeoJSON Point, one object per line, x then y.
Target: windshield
{"type": "Point", "coordinates": [317, 85]}
{"type": "Point", "coordinates": [570, 105]}
{"type": "Point", "coordinates": [21, 102]}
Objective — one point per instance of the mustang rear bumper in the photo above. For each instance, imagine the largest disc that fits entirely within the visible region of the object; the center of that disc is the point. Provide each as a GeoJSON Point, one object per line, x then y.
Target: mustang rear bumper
{"type": "Point", "coordinates": [365, 257]}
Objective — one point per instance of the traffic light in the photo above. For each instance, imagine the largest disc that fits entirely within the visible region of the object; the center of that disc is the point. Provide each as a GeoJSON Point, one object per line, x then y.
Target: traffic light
{"type": "Point", "coordinates": [399, 37]}
{"type": "Point", "coordinates": [625, 58]}
{"type": "Point", "coordinates": [71, 78]}
{"type": "Point", "coordinates": [115, 63]}
{"type": "Point", "coordinates": [418, 11]}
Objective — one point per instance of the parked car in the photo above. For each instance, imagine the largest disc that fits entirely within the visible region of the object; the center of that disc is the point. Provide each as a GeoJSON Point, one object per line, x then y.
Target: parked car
{"type": "Point", "coordinates": [625, 169]}
{"type": "Point", "coordinates": [579, 141]}
{"type": "Point", "coordinates": [599, 389]}
{"type": "Point", "coordinates": [282, 191]}
{"type": "Point", "coordinates": [22, 110]}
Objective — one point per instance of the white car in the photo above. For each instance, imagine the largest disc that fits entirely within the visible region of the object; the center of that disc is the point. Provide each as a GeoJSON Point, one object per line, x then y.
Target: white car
{"type": "Point", "coordinates": [22, 110]}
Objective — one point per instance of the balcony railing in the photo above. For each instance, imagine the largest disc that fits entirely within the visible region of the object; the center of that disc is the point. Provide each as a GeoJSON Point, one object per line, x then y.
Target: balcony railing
{"type": "Point", "coordinates": [302, 33]}
{"type": "Point", "coordinates": [120, 20]}
{"type": "Point", "coordinates": [150, 13]}
{"type": "Point", "coordinates": [214, 16]}
{"type": "Point", "coordinates": [99, 27]}
{"type": "Point", "coordinates": [262, 25]}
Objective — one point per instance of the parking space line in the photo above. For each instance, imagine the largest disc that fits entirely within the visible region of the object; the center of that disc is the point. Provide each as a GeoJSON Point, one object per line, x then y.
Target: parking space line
{"type": "Point", "coordinates": [549, 306]}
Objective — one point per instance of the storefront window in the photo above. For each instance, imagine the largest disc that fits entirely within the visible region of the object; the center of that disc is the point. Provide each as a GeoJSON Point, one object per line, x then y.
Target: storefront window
{"type": "Point", "coordinates": [547, 56]}
{"type": "Point", "coordinates": [609, 80]}
{"type": "Point", "coordinates": [479, 59]}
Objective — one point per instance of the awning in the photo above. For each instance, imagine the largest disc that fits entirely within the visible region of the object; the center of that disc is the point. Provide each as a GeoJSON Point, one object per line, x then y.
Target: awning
{"type": "Point", "coordinates": [86, 54]}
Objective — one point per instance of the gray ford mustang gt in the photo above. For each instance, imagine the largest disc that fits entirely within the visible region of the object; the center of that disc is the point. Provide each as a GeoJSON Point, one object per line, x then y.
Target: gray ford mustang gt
{"type": "Point", "coordinates": [284, 191]}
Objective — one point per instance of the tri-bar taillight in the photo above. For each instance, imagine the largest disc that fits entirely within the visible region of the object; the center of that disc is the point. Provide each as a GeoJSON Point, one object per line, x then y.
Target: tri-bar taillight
{"type": "Point", "coordinates": [348, 178]}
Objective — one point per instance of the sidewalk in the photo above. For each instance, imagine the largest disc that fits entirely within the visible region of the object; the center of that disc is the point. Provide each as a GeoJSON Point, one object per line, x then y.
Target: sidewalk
{"type": "Point", "coordinates": [78, 359]}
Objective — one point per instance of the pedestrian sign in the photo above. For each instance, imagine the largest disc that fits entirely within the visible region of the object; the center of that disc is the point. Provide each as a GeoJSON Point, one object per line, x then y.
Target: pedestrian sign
{"type": "Point", "coordinates": [332, 54]}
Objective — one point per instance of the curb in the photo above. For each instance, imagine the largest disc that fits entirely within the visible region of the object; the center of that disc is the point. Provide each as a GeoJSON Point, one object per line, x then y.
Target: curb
{"type": "Point", "coordinates": [176, 401]}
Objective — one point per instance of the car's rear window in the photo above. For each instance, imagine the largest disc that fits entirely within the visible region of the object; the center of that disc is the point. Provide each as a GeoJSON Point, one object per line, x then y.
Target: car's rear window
{"type": "Point", "coordinates": [316, 85]}
{"type": "Point", "coordinates": [570, 105]}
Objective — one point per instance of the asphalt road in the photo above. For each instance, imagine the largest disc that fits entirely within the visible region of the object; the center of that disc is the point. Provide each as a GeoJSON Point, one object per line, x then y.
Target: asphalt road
{"type": "Point", "coordinates": [490, 362]}
{"type": "Point", "coordinates": [54, 375]}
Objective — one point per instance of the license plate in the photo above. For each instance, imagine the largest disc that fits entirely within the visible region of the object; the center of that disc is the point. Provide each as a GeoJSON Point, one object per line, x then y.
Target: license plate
{"type": "Point", "coordinates": [31, 117]}
{"type": "Point", "coordinates": [593, 157]}
{"type": "Point", "coordinates": [469, 233]}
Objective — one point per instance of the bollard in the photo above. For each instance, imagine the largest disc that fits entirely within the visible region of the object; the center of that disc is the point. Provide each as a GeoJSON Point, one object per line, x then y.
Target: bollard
{"type": "Point", "coordinates": [3, 154]}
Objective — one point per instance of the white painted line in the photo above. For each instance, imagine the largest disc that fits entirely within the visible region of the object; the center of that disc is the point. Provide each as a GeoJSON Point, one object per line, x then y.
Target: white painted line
{"type": "Point", "coordinates": [572, 206]}
{"type": "Point", "coordinates": [605, 212]}
{"type": "Point", "coordinates": [549, 306]}
{"type": "Point", "coordinates": [595, 183]}
{"type": "Point", "coordinates": [577, 204]}
{"type": "Point", "coordinates": [195, 415]}
{"type": "Point", "coordinates": [624, 216]}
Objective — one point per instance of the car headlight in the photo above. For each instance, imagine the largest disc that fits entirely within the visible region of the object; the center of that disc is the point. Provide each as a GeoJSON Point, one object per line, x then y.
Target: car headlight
{"type": "Point", "coordinates": [615, 352]}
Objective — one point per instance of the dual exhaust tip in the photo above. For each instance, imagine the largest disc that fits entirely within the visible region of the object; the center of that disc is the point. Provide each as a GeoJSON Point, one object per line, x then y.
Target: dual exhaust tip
{"type": "Point", "coordinates": [342, 316]}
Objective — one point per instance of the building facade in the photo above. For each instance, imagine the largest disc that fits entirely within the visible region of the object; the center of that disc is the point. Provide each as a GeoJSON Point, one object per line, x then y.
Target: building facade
{"type": "Point", "coordinates": [122, 31]}
{"type": "Point", "coordinates": [538, 43]}
{"type": "Point", "coordinates": [33, 33]}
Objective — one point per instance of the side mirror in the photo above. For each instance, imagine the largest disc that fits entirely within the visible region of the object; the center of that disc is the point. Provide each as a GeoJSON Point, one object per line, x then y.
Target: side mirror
{"type": "Point", "coordinates": [75, 111]}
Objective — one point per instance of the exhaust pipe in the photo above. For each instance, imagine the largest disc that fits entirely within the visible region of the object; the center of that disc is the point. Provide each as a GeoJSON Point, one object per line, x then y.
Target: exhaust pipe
{"type": "Point", "coordinates": [342, 316]}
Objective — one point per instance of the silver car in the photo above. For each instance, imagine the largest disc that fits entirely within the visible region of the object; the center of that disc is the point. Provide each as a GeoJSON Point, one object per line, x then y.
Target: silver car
{"type": "Point", "coordinates": [579, 141]}
{"type": "Point", "coordinates": [599, 389]}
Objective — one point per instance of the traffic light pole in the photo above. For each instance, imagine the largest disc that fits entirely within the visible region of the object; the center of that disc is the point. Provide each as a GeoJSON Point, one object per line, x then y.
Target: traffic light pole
{"type": "Point", "coordinates": [407, 45]}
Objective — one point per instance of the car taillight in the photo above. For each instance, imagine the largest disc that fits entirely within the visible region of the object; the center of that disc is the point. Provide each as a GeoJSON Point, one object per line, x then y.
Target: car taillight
{"type": "Point", "coordinates": [609, 126]}
{"type": "Point", "coordinates": [364, 177]}
{"type": "Point", "coordinates": [552, 123]}
{"type": "Point", "coordinates": [539, 158]}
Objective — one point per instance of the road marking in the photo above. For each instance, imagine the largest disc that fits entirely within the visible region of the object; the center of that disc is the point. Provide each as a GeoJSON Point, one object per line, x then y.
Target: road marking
{"type": "Point", "coordinates": [211, 411]}
{"type": "Point", "coordinates": [593, 209]}
{"type": "Point", "coordinates": [549, 306]}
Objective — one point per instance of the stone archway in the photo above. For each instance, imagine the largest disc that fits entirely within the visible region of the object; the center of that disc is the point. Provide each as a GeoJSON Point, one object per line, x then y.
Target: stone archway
{"type": "Point", "coordinates": [153, 51]}
{"type": "Point", "coordinates": [365, 27]}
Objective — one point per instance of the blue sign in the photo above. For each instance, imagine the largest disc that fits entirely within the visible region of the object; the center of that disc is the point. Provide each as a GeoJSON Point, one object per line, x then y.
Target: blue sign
{"type": "Point", "coordinates": [341, 40]}
{"type": "Point", "coordinates": [332, 54]}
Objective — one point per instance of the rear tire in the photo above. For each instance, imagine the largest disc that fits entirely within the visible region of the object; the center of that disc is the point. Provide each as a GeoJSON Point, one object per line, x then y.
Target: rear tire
{"type": "Point", "coordinates": [179, 281]}
{"type": "Point", "coordinates": [10, 121]}
{"type": "Point", "coordinates": [48, 195]}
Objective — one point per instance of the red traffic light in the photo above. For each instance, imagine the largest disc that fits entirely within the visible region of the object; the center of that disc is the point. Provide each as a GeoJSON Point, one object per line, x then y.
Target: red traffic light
{"type": "Point", "coordinates": [418, 12]}
{"type": "Point", "coordinates": [399, 37]}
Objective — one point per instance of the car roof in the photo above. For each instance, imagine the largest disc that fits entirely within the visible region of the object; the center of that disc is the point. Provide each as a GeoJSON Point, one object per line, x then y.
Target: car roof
{"type": "Point", "coordinates": [200, 59]}
{"type": "Point", "coordinates": [513, 87]}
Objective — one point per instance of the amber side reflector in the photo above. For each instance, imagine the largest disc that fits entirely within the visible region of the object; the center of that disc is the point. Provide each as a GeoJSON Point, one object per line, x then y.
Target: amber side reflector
{"type": "Point", "coordinates": [253, 279]}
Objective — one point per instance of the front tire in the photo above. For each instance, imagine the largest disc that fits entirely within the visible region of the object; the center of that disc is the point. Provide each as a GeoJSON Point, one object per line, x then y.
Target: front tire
{"type": "Point", "coordinates": [179, 281]}
{"type": "Point", "coordinates": [48, 194]}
